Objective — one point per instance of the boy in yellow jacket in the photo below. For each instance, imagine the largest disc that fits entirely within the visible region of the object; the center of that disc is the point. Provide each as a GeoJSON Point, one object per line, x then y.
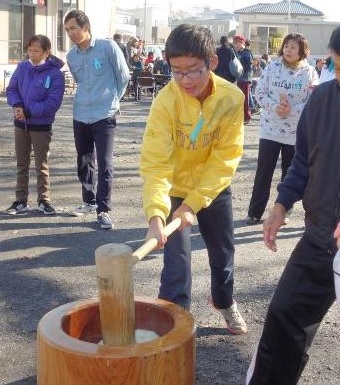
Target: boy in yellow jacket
{"type": "Point", "coordinates": [191, 148]}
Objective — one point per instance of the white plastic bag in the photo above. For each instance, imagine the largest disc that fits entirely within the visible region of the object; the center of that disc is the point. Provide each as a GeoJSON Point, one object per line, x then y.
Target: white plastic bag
{"type": "Point", "coordinates": [236, 68]}
{"type": "Point", "coordinates": [336, 269]}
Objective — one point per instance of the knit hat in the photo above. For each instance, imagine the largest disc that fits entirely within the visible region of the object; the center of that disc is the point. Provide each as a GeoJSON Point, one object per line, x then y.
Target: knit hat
{"type": "Point", "coordinates": [239, 38]}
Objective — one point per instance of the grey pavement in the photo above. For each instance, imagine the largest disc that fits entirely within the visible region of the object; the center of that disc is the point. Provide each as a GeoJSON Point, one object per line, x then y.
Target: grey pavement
{"type": "Point", "coordinates": [47, 261]}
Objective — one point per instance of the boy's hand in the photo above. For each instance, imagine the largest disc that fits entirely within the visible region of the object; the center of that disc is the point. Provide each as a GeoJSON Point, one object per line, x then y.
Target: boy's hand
{"type": "Point", "coordinates": [186, 215]}
{"type": "Point", "coordinates": [156, 230]}
{"type": "Point", "coordinates": [272, 225]}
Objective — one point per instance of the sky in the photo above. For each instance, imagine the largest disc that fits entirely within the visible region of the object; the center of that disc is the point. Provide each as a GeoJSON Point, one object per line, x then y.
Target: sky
{"type": "Point", "coordinates": [330, 8]}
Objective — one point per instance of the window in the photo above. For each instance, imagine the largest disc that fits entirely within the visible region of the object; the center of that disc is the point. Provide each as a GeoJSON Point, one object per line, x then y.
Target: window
{"type": "Point", "coordinates": [266, 39]}
{"type": "Point", "coordinates": [15, 51]}
{"type": "Point", "coordinates": [64, 6]}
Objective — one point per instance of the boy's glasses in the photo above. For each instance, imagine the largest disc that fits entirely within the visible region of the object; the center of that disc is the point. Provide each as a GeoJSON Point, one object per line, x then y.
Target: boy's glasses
{"type": "Point", "coordinates": [195, 74]}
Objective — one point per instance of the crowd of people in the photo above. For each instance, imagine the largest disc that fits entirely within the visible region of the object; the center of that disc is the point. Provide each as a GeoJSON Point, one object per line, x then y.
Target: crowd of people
{"type": "Point", "coordinates": [192, 145]}
{"type": "Point", "coordinates": [143, 64]}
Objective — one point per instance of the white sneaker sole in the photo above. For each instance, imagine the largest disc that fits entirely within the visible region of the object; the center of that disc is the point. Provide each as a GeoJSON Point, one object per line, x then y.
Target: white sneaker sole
{"type": "Point", "coordinates": [21, 212]}
{"type": "Point", "coordinates": [44, 212]}
{"type": "Point", "coordinates": [77, 214]}
{"type": "Point", "coordinates": [106, 227]}
{"type": "Point", "coordinates": [237, 332]}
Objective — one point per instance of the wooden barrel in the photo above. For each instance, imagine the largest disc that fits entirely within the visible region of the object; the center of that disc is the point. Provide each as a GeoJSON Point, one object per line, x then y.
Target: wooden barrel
{"type": "Point", "coordinates": [69, 353]}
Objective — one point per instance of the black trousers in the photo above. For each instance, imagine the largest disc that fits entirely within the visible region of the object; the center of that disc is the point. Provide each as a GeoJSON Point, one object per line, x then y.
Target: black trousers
{"type": "Point", "coordinates": [217, 229]}
{"type": "Point", "coordinates": [94, 144]}
{"type": "Point", "coordinates": [269, 152]}
{"type": "Point", "coordinates": [303, 296]}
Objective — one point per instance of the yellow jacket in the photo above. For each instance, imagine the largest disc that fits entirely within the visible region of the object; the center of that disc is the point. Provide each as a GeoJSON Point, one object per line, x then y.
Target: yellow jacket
{"type": "Point", "coordinates": [173, 165]}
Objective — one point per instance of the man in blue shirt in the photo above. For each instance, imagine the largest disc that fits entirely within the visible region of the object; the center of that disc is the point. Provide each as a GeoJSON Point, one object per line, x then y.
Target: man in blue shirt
{"type": "Point", "coordinates": [101, 73]}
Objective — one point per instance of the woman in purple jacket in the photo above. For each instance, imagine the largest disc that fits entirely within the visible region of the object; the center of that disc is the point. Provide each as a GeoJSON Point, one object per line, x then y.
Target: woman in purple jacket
{"type": "Point", "coordinates": [35, 92]}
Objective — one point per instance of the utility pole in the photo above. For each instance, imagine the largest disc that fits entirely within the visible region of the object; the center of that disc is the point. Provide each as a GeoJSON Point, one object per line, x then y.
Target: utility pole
{"type": "Point", "coordinates": [170, 13]}
{"type": "Point", "coordinates": [144, 23]}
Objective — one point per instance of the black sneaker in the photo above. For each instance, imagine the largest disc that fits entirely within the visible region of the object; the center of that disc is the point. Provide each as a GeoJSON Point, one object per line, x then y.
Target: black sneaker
{"type": "Point", "coordinates": [253, 220]}
{"type": "Point", "coordinates": [46, 208]}
{"type": "Point", "coordinates": [17, 208]}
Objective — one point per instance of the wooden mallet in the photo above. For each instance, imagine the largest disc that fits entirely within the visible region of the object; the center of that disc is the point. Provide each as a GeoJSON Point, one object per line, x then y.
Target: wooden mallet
{"type": "Point", "coordinates": [114, 264]}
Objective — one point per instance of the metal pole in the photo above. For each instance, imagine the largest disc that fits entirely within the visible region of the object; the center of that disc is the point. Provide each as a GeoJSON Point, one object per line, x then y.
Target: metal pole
{"type": "Point", "coordinates": [144, 24]}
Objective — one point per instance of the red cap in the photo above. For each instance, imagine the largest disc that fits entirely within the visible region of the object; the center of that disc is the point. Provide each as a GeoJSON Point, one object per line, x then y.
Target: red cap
{"type": "Point", "coordinates": [239, 38]}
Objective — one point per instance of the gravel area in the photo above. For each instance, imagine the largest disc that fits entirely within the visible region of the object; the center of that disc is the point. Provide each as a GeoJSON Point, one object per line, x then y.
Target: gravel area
{"type": "Point", "coordinates": [48, 261]}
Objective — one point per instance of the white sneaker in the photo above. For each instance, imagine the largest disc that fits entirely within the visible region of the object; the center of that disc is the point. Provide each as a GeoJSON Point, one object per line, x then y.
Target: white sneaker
{"type": "Point", "coordinates": [234, 320]}
{"type": "Point", "coordinates": [85, 208]}
{"type": "Point", "coordinates": [104, 220]}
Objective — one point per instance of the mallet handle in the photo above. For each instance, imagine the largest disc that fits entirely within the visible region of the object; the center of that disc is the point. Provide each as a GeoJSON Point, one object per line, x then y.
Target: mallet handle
{"type": "Point", "coordinates": [151, 243]}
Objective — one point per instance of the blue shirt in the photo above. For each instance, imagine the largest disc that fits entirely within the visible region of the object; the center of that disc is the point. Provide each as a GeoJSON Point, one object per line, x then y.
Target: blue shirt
{"type": "Point", "coordinates": [101, 74]}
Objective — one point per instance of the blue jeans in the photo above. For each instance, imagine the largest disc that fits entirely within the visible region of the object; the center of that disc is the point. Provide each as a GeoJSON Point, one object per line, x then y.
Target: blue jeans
{"type": "Point", "coordinates": [217, 229]}
{"type": "Point", "coordinates": [95, 142]}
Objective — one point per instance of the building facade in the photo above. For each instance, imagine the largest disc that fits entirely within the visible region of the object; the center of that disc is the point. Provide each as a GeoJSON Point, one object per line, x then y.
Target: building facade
{"type": "Point", "coordinates": [265, 25]}
{"type": "Point", "coordinates": [20, 19]}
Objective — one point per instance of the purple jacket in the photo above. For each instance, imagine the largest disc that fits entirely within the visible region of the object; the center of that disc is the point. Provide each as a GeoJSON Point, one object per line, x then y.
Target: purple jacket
{"type": "Point", "coordinates": [39, 90]}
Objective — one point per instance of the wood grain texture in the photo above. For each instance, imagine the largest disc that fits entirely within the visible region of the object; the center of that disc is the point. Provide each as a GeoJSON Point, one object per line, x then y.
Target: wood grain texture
{"type": "Point", "coordinates": [116, 294]}
{"type": "Point", "coordinates": [65, 359]}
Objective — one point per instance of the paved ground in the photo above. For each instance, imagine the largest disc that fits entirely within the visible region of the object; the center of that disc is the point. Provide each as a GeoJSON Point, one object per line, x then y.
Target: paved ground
{"type": "Point", "coordinates": [48, 261]}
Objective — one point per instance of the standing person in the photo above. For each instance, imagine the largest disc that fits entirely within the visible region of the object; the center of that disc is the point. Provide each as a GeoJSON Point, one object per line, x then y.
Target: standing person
{"type": "Point", "coordinates": [35, 91]}
{"type": "Point", "coordinates": [246, 58]}
{"type": "Point", "coordinates": [305, 290]}
{"type": "Point", "coordinates": [117, 37]}
{"type": "Point", "coordinates": [282, 91]}
{"type": "Point", "coordinates": [191, 148]}
{"type": "Point", "coordinates": [131, 47]}
{"type": "Point", "coordinates": [137, 68]}
{"type": "Point", "coordinates": [257, 72]}
{"type": "Point", "coordinates": [327, 71]}
{"type": "Point", "coordinates": [225, 55]}
{"type": "Point", "coordinates": [318, 65]}
{"type": "Point", "coordinates": [100, 70]}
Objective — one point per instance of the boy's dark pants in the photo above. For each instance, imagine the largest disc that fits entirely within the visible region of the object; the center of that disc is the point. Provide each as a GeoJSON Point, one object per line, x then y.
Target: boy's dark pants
{"type": "Point", "coordinates": [269, 152]}
{"type": "Point", "coordinates": [91, 140]}
{"type": "Point", "coordinates": [216, 226]}
{"type": "Point", "coordinates": [303, 296]}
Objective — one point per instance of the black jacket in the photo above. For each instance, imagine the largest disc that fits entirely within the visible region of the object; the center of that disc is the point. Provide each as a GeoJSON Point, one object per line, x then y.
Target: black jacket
{"type": "Point", "coordinates": [225, 54]}
{"type": "Point", "coordinates": [314, 175]}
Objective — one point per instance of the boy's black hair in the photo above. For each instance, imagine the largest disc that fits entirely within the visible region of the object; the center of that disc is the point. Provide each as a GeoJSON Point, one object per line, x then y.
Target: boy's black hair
{"type": "Point", "coordinates": [80, 17]}
{"type": "Point", "coordinates": [334, 41]}
{"type": "Point", "coordinates": [190, 40]}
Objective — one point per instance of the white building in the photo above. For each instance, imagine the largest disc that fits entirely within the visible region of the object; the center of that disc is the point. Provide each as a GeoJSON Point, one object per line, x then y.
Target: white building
{"type": "Point", "coordinates": [20, 19]}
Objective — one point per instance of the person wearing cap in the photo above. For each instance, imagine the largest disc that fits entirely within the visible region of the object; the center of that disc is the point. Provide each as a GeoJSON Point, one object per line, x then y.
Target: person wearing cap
{"type": "Point", "coordinates": [246, 58]}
